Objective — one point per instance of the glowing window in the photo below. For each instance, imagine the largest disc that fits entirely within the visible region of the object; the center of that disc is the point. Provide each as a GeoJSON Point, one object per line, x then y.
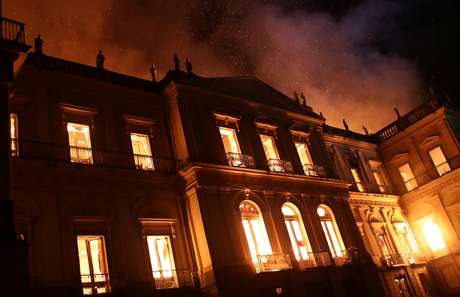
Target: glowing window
{"type": "Point", "coordinates": [357, 179]}
{"type": "Point", "coordinates": [141, 151]}
{"type": "Point", "coordinates": [408, 177]}
{"type": "Point", "coordinates": [303, 152]}
{"type": "Point", "coordinates": [270, 150]}
{"type": "Point", "coordinates": [254, 229]}
{"type": "Point", "coordinates": [297, 234]}
{"type": "Point", "coordinates": [379, 180]}
{"type": "Point", "coordinates": [162, 262]}
{"type": "Point", "coordinates": [230, 140]}
{"type": "Point", "coordinates": [14, 134]}
{"type": "Point", "coordinates": [406, 239]}
{"type": "Point", "coordinates": [439, 160]}
{"type": "Point", "coordinates": [79, 143]}
{"type": "Point", "coordinates": [433, 236]}
{"type": "Point", "coordinates": [93, 265]}
{"type": "Point", "coordinates": [382, 241]}
{"type": "Point", "coordinates": [331, 231]}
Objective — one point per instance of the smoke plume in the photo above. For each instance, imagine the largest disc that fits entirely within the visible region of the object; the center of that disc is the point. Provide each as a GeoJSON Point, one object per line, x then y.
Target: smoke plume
{"type": "Point", "coordinates": [330, 59]}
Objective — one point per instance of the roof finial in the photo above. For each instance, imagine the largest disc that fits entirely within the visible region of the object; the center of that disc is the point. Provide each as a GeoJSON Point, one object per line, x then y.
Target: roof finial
{"type": "Point", "coordinates": [296, 97]}
{"type": "Point", "coordinates": [100, 59]}
{"type": "Point", "coordinates": [302, 96]}
{"type": "Point", "coordinates": [176, 62]}
{"type": "Point", "coordinates": [397, 112]}
{"type": "Point", "coordinates": [321, 115]}
{"type": "Point", "coordinates": [38, 45]}
{"type": "Point", "coordinates": [188, 66]}
{"type": "Point", "coordinates": [365, 130]}
{"type": "Point", "coordinates": [345, 124]}
{"type": "Point", "coordinates": [154, 73]}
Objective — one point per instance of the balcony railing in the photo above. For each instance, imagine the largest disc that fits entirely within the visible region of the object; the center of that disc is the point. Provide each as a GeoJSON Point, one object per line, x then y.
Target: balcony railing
{"type": "Point", "coordinates": [93, 284]}
{"type": "Point", "coordinates": [14, 147]}
{"type": "Point", "coordinates": [170, 279]}
{"type": "Point", "coordinates": [314, 170]}
{"type": "Point", "coordinates": [240, 160]}
{"type": "Point", "coordinates": [443, 168]}
{"type": "Point", "coordinates": [276, 165]}
{"type": "Point", "coordinates": [143, 162]}
{"type": "Point", "coordinates": [395, 260]}
{"type": "Point", "coordinates": [343, 257]}
{"type": "Point", "coordinates": [315, 260]}
{"type": "Point", "coordinates": [274, 262]}
{"type": "Point", "coordinates": [87, 156]}
{"type": "Point", "coordinates": [12, 31]}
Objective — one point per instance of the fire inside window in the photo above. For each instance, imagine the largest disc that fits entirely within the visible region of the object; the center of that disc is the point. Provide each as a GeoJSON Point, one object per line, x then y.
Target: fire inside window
{"type": "Point", "coordinates": [439, 161]}
{"type": "Point", "coordinates": [433, 235]}
{"type": "Point", "coordinates": [297, 234]}
{"type": "Point", "coordinates": [141, 150]}
{"type": "Point", "coordinates": [254, 229]}
{"type": "Point", "coordinates": [93, 265]}
{"type": "Point", "coordinates": [14, 134]}
{"type": "Point", "coordinates": [379, 180]}
{"type": "Point", "coordinates": [357, 179]}
{"type": "Point", "coordinates": [79, 143]}
{"type": "Point", "coordinates": [162, 262]}
{"type": "Point", "coordinates": [331, 231]}
{"type": "Point", "coordinates": [408, 177]}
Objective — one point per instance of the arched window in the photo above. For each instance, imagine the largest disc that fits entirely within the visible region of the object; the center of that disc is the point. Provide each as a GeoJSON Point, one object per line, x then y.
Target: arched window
{"type": "Point", "coordinates": [297, 234]}
{"type": "Point", "coordinates": [331, 231]}
{"type": "Point", "coordinates": [254, 228]}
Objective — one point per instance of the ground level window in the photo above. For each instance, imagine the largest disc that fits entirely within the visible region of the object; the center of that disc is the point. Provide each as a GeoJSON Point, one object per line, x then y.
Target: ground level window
{"type": "Point", "coordinates": [93, 264]}
{"type": "Point", "coordinates": [162, 262]}
{"type": "Point", "coordinates": [331, 231]}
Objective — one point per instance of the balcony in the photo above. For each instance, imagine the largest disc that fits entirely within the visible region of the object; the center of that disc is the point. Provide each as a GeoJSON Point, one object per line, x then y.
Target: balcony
{"type": "Point", "coordinates": [276, 165]}
{"type": "Point", "coordinates": [52, 152]}
{"type": "Point", "coordinates": [12, 31]}
{"type": "Point", "coordinates": [314, 170]}
{"type": "Point", "coordinates": [395, 260]}
{"type": "Point", "coordinates": [343, 257]}
{"type": "Point", "coordinates": [274, 262]}
{"type": "Point", "coordinates": [171, 279]}
{"type": "Point", "coordinates": [93, 284]}
{"type": "Point", "coordinates": [240, 160]}
{"type": "Point", "coordinates": [315, 260]}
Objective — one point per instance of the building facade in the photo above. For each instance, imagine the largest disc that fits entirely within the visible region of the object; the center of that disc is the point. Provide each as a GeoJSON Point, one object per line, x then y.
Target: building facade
{"type": "Point", "coordinates": [195, 186]}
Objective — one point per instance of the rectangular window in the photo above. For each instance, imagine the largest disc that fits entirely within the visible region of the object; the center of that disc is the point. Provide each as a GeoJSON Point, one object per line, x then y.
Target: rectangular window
{"type": "Point", "coordinates": [408, 177]}
{"type": "Point", "coordinates": [230, 140]}
{"type": "Point", "coordinates": [439, 160]}
{"type": "Point", "coordinates": [304, 153]}
{"type": "Point", "coordinates": [379, 181]}
{"type": "Point", "coordinates": [93, 265]}
{"type": "Point", "coordinates": [79, 143]}
{"type": "Point", "coordinates": [162, 262]}
{"type": "Point", "coordinates": [269, 145]}
{"type": "Point", "coordinates": [14, 134]}
{"type": "Point", "coordinates": [357, 179]}
{"type": "Point", "coordinates": [141, 150]}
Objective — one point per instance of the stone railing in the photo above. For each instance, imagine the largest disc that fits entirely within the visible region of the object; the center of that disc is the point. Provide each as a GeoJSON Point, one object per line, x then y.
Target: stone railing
{"type": "Point", "coordinates": [12, 31]}
{"type": "Point", "coordinates": [277, 165]}
{"type": "Point", "coordinates": [240, 160]}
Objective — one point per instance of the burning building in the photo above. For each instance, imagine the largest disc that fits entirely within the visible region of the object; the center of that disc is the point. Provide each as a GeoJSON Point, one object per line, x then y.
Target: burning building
{"type": "Point", "coordinates": [194, 186]}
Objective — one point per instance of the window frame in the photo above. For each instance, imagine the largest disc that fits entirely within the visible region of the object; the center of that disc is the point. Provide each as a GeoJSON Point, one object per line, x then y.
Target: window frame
{"type": "Point", "coordinates": [89, 150]}
{"type": "Point", "coordinates": [405, 182]}
{"type": "Point", "coordinates": [138, 158]}
{"type": "Point", "coordinates": [330, 217]}
{"type": "Point", "coordinates": [14, 139]}
{"type": "Point", "coordinates": [446, 162]}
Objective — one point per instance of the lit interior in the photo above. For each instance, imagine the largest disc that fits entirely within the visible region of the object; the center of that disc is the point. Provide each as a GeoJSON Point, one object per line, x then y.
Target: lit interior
{"type": "Point", "coordinates": [93, 266]}
{"type": "Point", "coordinates": [14, 133]}
{"type": "Point", "coordinates": [406, 239]}
{"type": "Point", "coordinates": [270, 150]}
{"type": "Point", "coordinates": [297, 234]}
{"type": "Point", "coordinates": [381, 240]}
{"type": "Point", "coordinates": [357, 179]}
{"type": "Point", "coordinates": [161, 257]}
{"type": "Point", "coordinates": [80, 143]}
{"type": "Point", "coordinates": [303, 152]}
{"type": "Point", "coordinates": [408, 177]}
{"type": "Point", "coordinates": [331, 231]}
{"type": "Point", "coordinates": [230, 140]}
{"type": "Point", "coordinates": [254, 229]}
{"type": "Point", "coordinates": [379, 181]}
{"type": "Point", "coordinates": [433, 236]}
{"type": "Point", "coordinates": [439, 160]}
{"type": "Point", "coordinates": [141, 150]}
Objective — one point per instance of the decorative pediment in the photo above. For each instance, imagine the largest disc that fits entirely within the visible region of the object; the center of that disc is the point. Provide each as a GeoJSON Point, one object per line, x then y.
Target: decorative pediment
{"type": "Point", "coordinates": [399, 158]}
{"type": "Point", "coordinates": [430, 140]}
{"type": "Point", "coordinates": [226, 115]}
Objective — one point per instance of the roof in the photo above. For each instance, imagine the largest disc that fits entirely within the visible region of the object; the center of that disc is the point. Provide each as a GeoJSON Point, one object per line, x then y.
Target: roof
{"type": "Point", "coordinates": [349, 134]}
{"type": "Point", "coordinates": [247, 87]}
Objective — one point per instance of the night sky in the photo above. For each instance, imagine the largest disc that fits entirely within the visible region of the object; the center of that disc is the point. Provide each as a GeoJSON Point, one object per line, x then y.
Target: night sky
{"type": "Point", "coordinates": [352, 58]}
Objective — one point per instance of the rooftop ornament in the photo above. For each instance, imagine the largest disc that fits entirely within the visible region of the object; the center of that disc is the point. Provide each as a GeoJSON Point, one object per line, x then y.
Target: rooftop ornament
{"type": "Point", "coordinates": [397, 112]}
{"type": "Point", "coordinates": [304, 100]}
{"type": "Point", "coordinates": [154, 73]}
{"type": "Point", "coordinates": [365, 130]}
{"type": "Point", "coordinates": [188, 66]}
{"type": "Point", "coordinates": [176, 62]}
{"type": "Point", "coordinates": [38, 44]}
{"type": "Point", "coordinates": [100, 59]}
{"type": "Point", "coordinates": [296, 97]}
{"type": "Point", "coordinates": [345, 124]}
